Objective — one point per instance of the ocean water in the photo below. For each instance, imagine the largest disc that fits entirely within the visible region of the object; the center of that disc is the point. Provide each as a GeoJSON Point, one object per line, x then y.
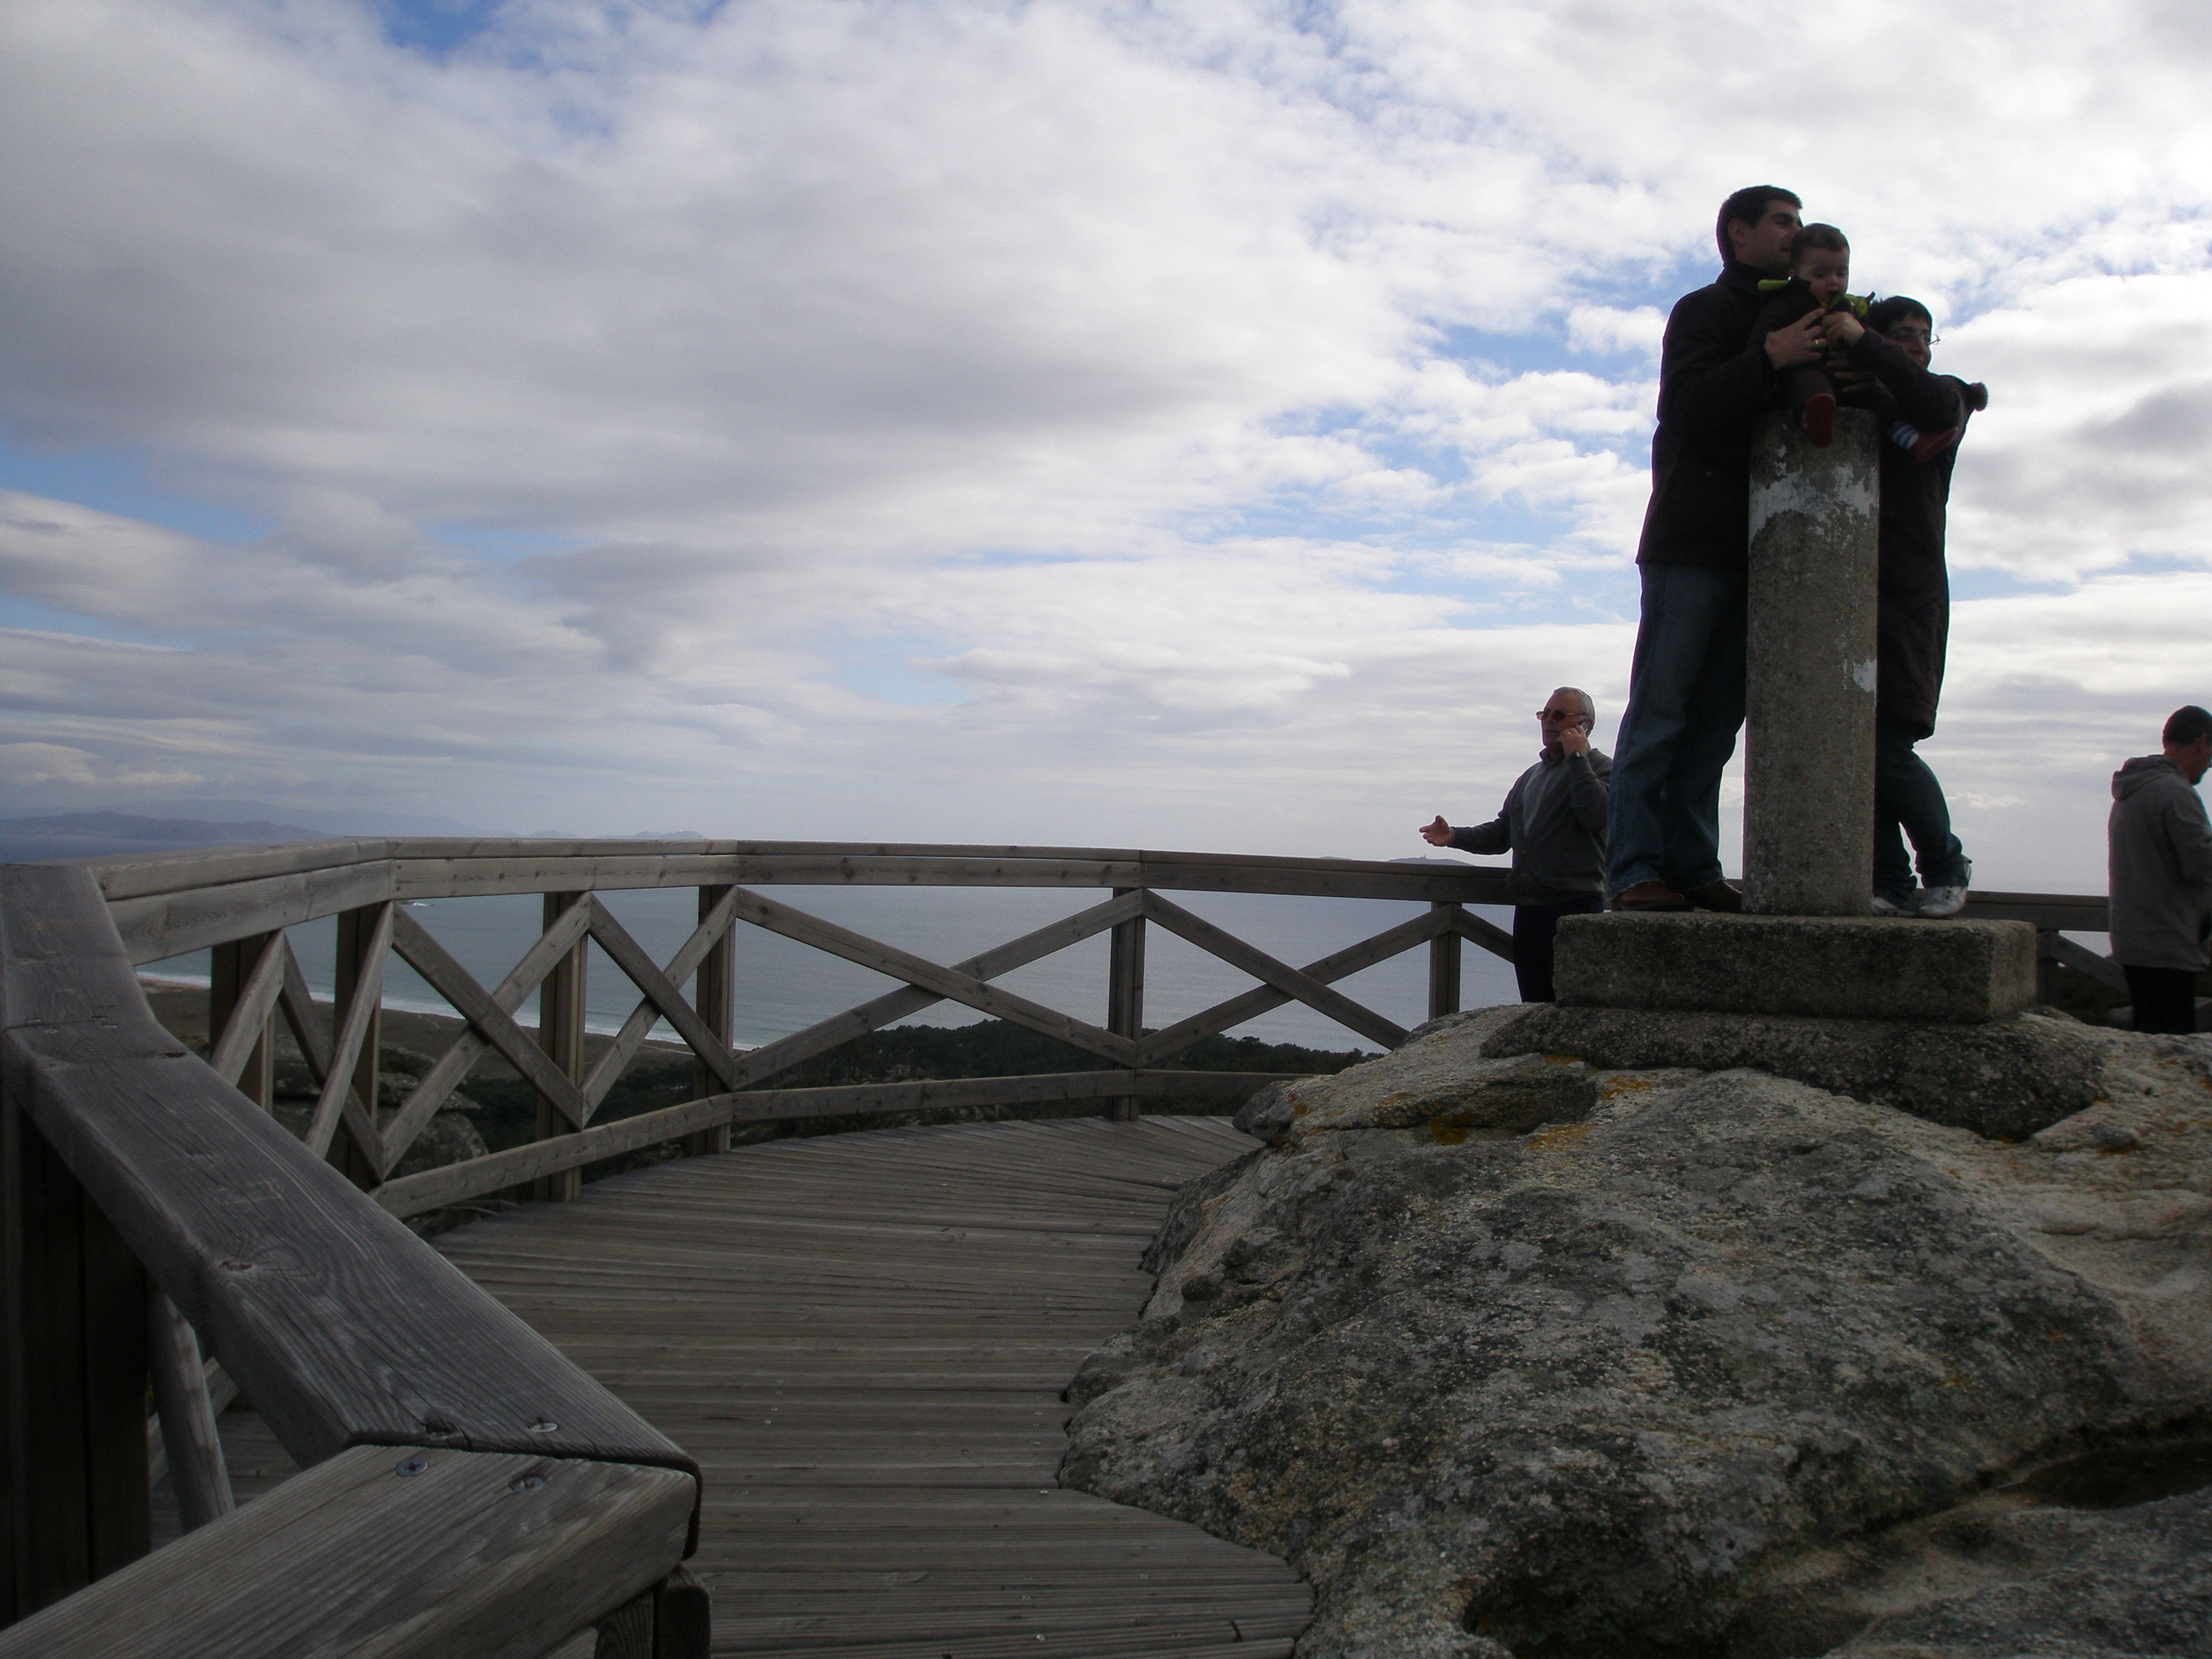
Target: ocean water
{"type": "Point", "coordinates": [783, 987]}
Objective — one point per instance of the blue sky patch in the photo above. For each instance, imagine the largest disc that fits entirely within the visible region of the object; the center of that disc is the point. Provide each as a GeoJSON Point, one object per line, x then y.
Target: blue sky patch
{"type": "Point", "coordinates": [36, 616]}
{"type": "Point", "coordinates": [887, 673]}
{"type": "Point", "coordinates": [114, 480]}
{"type": "Point", "coordinates": [435, 27]}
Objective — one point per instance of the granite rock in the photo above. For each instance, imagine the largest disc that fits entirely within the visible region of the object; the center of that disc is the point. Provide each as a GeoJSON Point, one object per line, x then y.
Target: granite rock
{"type": "Point", "coordinates": [1589, 1387]}
{"type": "Point", "coordinates": [2007, 1078]}
{"type": "Point", "coordinates": [1451, 1076]}
{"type": "Point", "coordinates": [2015, 1577]}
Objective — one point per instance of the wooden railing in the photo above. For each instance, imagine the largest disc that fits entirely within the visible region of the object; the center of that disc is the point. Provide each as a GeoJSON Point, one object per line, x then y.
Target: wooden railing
{"type": "Point", "coordinates": [466, 1489]}
{"type": "Point", "coordinates": [238, 904]}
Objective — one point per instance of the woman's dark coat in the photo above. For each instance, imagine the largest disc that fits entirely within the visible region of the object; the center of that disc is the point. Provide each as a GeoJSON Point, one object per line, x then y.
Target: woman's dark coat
{"type": "Point", "coordinates": [1913, 622]}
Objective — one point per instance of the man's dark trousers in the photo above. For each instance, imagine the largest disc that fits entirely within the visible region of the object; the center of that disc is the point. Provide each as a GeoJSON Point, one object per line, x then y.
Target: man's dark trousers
{"type": "Point", "coordinates": [1535, 927]}
{"type": "Point", "coordinates": [2165, 998]}
{"type": "Point", "coordinates": [1685, 693]}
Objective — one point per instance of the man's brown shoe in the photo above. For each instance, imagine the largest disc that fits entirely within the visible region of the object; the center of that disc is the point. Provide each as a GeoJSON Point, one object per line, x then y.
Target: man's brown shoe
{"type": "Point", "coordinates": [1714, 896]}
{"type": "Point", "coordinates": [1650, 895]}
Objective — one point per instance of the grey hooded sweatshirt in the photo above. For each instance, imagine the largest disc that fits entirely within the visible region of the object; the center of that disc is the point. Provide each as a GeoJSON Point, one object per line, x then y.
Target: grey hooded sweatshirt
{"type": "Point", "coordinates": [2160, 845]}
{"type": "Point", "coordinates": [1553, 823]}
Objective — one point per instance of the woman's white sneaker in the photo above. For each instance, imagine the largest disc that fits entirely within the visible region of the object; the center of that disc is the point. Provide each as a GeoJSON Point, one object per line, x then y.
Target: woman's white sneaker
{"type": "Point", "coordinates": [1943, 901]}
{"type": "Point", "coordinates": [1883, 907]}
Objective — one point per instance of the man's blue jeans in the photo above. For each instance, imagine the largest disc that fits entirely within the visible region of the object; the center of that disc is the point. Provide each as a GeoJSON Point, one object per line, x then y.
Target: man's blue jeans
{"type": "Point", "coordinates": [1685, 708]}
{"type": "Point", "coordinates": [1908, 802]}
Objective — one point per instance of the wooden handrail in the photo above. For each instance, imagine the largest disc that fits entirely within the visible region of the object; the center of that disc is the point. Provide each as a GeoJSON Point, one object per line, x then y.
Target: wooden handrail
{"type": "Point", "coordinates": [2074, 913]}
{"type": "Point", "coordinates": [165, 906]}
{"type": "Point", "coordinates": [274, 1257]}
{"type": "Point", "coordinates": [136, 875]}
{"type": "Point", "coordinates": [377, 1552]}
{"type": "Point", "coordinates": [344, 1328]}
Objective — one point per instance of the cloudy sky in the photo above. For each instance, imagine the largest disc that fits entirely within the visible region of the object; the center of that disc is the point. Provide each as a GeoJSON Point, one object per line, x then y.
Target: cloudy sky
{"type": "Point", "coordinates": [1209, 425]}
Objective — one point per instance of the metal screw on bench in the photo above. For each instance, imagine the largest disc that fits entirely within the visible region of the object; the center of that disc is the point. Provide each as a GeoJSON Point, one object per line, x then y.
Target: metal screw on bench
{"type": "Point", "coordinates": [1809, 670]}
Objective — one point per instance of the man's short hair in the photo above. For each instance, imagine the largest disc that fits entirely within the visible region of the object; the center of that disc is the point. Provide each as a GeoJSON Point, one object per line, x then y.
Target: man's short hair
{"type": "Point", "coordinates": [1886, 314]}
{"type": "Point", "coordinates": [2186, 724]}
{"type": "Point", "coordinates": [1589, 703]}
{"type": "Point", "coordinates": [1817, 235]}
{"type": "Point", "coordinates": [1748, 206]}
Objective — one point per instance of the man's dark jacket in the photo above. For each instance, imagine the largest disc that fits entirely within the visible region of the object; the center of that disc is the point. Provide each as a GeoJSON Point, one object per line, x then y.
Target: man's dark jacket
{"type": "Point", "coordinates": [1713, 385]}
{"type": "Point", "coordinates": [1553, 823]}
{"type": "Point", "coordinates": [2160, 844]}
{"type": "Point", "coordinates": [1913, 621]}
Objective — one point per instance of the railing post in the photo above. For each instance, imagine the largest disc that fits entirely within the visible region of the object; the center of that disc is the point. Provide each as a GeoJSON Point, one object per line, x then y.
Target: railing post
{"type": "Point", "coordinates": [229, 966]}
{"type": "Point", "coordinates": [356, 932]}
{"type": "Point", "coordinates": [674, 1620]}
{"type": "Point", "coordinates": [2046, 966]}
{"type": "Point", "coordinates": [683, 1617]}
{"type": "Point", "coordinates": [1443, 969]}
{"type": "Point", "coordinates": [74, 1351]}
{"type": "Point", "coordinates": [714, 993]}
{"type": "Point", "coordinates": [560, 1034]}
{"type": "Point", "coordinates": [189, 1434]}
{"type": "Point", "coordinates": [1124, 996]}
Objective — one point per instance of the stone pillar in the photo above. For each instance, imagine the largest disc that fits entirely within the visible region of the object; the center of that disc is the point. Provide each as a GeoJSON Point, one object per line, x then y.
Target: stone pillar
{"type": "Point", "coordinates": [1808, 743]}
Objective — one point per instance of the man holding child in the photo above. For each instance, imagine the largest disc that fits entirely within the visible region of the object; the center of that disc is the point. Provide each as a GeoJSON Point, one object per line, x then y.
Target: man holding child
{"type": "Point", "coordinates": [1723, 365]}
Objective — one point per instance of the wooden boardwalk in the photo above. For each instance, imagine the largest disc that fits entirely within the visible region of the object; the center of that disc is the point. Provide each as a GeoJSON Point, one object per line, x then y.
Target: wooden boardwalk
{"type": "Point", "coordinates": [863, 1338]}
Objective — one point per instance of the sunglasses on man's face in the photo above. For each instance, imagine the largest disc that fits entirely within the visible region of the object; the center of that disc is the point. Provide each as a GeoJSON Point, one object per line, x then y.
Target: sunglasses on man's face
{"type": "Point", "coordinates": [1551, 716]}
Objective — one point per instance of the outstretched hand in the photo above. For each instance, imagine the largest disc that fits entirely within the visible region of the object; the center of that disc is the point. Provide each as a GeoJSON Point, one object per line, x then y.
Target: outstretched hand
{"type": "Point", "coordinates": [1798, 343]}
{"type": "Point", "coordinates": [1437, 834]}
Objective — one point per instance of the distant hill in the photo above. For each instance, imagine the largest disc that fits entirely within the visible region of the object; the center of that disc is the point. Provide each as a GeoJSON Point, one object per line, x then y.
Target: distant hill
{"type": "Point", "coordinates": [323, 821]}
{"type": "Point", "coordinates": [102, 835]}
{"type": "Point", "coordinates": [131, 826]}
{"type": "Point", "coordinates": [171, 826]}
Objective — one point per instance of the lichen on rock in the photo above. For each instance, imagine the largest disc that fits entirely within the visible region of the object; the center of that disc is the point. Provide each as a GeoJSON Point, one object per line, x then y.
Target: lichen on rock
{"type": "Point", "coordinates": [1519, 1354]}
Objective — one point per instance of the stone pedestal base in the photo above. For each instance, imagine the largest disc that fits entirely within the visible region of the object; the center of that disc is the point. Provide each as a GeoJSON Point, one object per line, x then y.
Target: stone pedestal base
{"type": "Point", "coordinates": [1961, 972]}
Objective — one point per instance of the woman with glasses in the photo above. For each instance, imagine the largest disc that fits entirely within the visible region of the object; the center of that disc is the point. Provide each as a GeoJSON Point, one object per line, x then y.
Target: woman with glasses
{"type": "Point", "coordinates": [1912, 633]}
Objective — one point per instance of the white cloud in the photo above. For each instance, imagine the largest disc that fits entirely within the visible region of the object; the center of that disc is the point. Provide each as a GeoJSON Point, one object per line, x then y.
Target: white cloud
{"type": "Point", "coordinates": [1605, 330]}
{"type": "Point", "coordinates": [2094, 448]}
{"type": "Point", "coordinates": [27, 765]}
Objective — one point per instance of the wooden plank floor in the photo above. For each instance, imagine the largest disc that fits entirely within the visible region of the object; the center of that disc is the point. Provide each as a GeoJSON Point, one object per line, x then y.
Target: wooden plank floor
{"type": "Point", "coordinates": [863, 1338]}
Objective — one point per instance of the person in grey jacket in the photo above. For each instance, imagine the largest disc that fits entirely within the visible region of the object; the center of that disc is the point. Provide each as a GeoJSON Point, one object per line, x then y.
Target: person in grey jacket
{"type": "Point", "coordinates": [2160, 847]}
{"type": "Point", "coordinates": [1553, 823]}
